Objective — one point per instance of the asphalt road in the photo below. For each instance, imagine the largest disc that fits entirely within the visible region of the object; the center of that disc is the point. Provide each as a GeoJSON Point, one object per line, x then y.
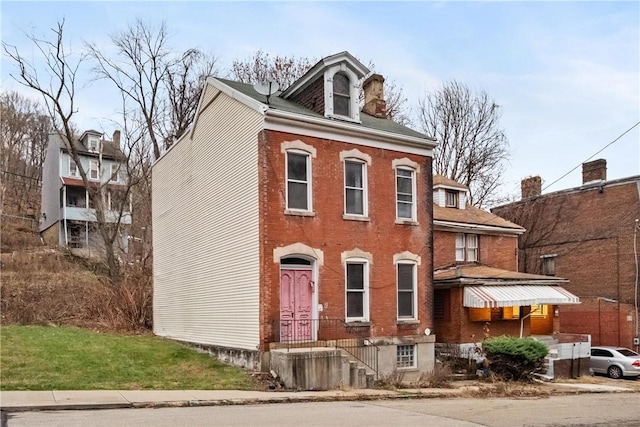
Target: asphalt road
{"type": "Point", "coordinates": [609, 409]}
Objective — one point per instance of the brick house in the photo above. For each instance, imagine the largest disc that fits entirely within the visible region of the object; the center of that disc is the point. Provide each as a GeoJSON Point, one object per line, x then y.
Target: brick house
{"type": "Point", "coordinates": [478, 289]}
{"type": "Point", "coordinates": [587, 235]}
{"type": "Point", "coordinates": [67, 217]}
{"type": "Point", "coordinates": [294, 218]}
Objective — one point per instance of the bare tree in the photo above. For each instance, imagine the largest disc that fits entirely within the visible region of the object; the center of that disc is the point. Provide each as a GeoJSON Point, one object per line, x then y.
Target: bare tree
{"type": "Point", "coordinates": [473, 147]}
{"type": "Point", "coordinates": [163, 89]}
{"type": "Point", "coordinates": [284, 70]}
{"type": "Point", "coordinates": [24, 131]}
{"type": "Point", "coordinates": [185, 82]}
{"type": "Point", "coordinates": [57, 86]}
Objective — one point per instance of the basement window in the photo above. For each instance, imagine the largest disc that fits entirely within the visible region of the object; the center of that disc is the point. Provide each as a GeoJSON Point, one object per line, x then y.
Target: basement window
{"type": "Point", "coordinates": [405, 356]}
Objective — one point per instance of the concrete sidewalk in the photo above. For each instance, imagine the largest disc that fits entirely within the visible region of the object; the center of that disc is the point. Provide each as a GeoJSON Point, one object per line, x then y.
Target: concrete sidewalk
{"type": "Point", "coordinates": [110, 399]}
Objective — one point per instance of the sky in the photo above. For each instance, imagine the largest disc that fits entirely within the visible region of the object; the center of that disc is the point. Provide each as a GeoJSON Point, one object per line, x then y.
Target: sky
{"type": "Point", "coordinates": [565, 74]}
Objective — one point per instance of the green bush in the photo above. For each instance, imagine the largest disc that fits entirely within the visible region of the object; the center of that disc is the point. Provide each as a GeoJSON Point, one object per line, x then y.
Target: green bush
{"type": "Point", "coordinates": [529, 350]}
{"type": "Point", "coordinates": [514, 358]}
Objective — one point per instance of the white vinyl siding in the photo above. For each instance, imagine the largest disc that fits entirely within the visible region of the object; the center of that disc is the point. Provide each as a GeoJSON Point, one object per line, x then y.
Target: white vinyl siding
{"type": "Point", "coordinates": [205, 230]}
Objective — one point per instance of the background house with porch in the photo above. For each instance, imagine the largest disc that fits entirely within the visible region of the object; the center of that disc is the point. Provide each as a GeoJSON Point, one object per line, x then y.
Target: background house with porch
{"type": "Point", "coordinates": [67, 217]}
{"type": "Point", "coordinates": [479, 291]}
{"type": "Point", "coordinates": [588, 234]}
{"type": "Point", "coordinates": [294, 219]}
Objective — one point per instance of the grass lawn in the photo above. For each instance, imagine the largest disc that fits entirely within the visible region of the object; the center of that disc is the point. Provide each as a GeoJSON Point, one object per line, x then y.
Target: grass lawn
{"type": "Point", "coordinates": [62, 358]}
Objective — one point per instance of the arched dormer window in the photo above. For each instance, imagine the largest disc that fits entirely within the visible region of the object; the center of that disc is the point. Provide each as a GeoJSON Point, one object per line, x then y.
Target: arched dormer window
{"type": "Point", "coordinates": [341, 95]}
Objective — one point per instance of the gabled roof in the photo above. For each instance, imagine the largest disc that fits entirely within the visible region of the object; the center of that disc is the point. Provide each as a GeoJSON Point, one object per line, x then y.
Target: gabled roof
{"type": "Point", "coordinates": [310, 76]}
{"type": "Point", "coordinates": [109, 149]}
{"type": "Point", "coordinates": [443, 181]}
{"type": "Point", "coordinates": [473, 216]}
{"type": "Point", "coordinates": [277, 102]}
{"type": "Point", "coordinates": [468, 274]}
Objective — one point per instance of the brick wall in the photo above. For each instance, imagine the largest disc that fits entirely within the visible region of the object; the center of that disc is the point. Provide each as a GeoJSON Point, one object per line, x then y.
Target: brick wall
{"type": "Point", "coordinates": [459, 329]}
{"type": "Point", "coordinates": [494, 250]}
{"type": "Point", "coordinates": [329, 232]}
{"type": "Point", "coordinates": [591, 232]}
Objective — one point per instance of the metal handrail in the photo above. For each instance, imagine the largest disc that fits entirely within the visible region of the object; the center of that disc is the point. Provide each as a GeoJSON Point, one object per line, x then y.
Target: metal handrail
{"type": "Point", "coordinates": [310, 333]}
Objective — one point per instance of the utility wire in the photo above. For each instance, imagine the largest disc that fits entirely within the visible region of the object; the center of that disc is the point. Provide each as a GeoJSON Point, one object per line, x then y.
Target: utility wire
{"type": "Point", "coordinates": [595, 154]}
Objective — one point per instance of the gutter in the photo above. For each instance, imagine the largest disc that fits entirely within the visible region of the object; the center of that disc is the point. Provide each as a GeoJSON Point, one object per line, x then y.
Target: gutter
{"type": "Point", "coordinates": [273, 116]}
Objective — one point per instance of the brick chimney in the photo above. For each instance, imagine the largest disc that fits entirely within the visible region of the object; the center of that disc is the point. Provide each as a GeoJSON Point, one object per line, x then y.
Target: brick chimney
{"type": "Point", "coordinates": [594, 171]}
{"type": "Point", "coordinates": [374, 103]}
{"type": "Point", "coordinates": [531, 187]}
{"type": "Point", "coordinates": [116, 138]}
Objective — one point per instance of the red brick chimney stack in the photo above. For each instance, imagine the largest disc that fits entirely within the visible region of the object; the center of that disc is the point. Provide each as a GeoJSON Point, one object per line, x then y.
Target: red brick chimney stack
{"type": "Point", "coordinates": [531, 187]}
{"type": "Point", "coordinates": [594, 171]}
{"type": "Point", "coordinates": [374, 103]}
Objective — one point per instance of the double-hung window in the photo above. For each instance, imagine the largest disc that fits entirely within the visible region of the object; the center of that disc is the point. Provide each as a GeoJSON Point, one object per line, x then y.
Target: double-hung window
{"type": "Point", "coordinates": [355, 193]}
{"type": "Point", "coordinates": [93, 169]}
{"type": "Point", "coordinates": [73, 168]}
{"type": "Point", "coordinates": [341, 95]}
{"type": "Point", "coordinates": [451, 199]}
{"type": "Point", "coordinates": [466, 247]}
{"type": "Point", "coordinates": [357, 290]}
{"type": "Point", "coordinates": [405, 194]}
{"type": "Point", "coordinates": [114, 172]}
{"type": "Point", "coordinates": [407, 287]}
{"type": "Point", "coordinates": [298, 181]}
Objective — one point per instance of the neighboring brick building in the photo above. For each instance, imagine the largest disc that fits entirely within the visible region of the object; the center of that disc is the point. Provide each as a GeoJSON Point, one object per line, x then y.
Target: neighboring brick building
{"type": "Point", "coordinates": [478, 289]}
{"type": "Point", "coordinates": [296, 217]}
{"type": "Point", "coordinates": [586, 234]}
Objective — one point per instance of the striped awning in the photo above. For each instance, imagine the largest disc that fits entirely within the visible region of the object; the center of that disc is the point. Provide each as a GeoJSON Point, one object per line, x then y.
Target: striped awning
{"type": "Point", "coordinates": [516, 295]}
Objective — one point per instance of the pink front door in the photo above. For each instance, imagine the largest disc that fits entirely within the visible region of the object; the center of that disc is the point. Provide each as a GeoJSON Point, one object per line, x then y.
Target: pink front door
{"type": "Point", "coordinates": [296, 290]}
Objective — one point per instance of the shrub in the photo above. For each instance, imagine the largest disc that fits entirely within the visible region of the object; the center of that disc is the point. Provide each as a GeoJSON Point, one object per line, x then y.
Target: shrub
{"type": "Point", "coordinates": [514, 358]}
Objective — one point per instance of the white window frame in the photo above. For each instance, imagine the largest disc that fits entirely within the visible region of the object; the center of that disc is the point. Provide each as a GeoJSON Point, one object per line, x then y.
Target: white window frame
{"type": "Point", "coordinates": [467, 247]}
{"type": "Point", "coordinates": [308, 181]}
{"type": "Point", "coordinates": [365, 199]}
{"type": "Point", "coordinates": [354, 110]}
{"type": "Point", "coordinates": [365, 291]}
{"type": "Point", "coordinates": [91, 169]}
{"type": "Point", "coordinates": [413, 194]}
{"type": "Point", "coordinates": [115, 172]}
{"type": "Point", "coordinates": [461, 247]}
{"type": "Point", "coordinates": [93, 144]}
{"type": "Point", "coordinates": [414, 289]}
{"type": "Point", "coordinates": [472, 247]}
{"type": "Point", "coordinates": [451, 194]}
{"type": "Point", "coordinates": [74, 165]}
{"type": "Point", "coordinates": [406, 356]}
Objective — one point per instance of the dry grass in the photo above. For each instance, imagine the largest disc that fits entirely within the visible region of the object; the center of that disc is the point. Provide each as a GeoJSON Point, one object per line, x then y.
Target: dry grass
{"type": "Point", "coordinates": [51, 287]}
{"type": "Point", "coordinates": [511, 389]}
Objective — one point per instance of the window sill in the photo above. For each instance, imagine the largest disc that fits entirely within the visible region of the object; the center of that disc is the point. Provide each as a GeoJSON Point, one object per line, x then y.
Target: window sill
{"type": "Point", "coordinates": [349, 217]}
{"type": "Point", "coordinates": [357, 323]}
{"type": "Point", "coordinates": [408, 322]}
{"type": "Point", "coordinates": [299, 213]}
{"type": "Point", "coordinates": [406, 222]}
{"type": "Point", "coordinates": [407, 369]}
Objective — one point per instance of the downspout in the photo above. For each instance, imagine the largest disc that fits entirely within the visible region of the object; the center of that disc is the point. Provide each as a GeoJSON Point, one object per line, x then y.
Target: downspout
{"type": "Point", "coordinates": [524, 317]}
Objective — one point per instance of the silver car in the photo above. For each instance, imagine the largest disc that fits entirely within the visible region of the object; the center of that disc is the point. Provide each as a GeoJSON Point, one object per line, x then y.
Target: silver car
{"type": "Point", "coordinates": [616, 362]}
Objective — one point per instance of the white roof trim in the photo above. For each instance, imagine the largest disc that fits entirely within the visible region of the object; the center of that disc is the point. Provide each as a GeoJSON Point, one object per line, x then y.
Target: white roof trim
{"type": "Point", "coordinates": [450, 225]}
{"type": "Point", "coordinates": [245, 99]}
{"type": "Point", "coordinates": [304, 81]}
{"type": "Point", "coordinates": [284, 121]}
{"type": "Point", "coordinates": [519, 295]}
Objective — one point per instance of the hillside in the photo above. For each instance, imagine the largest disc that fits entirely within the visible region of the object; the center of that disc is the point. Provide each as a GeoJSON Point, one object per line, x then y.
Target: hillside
{"type": "Point", "coordinates": [48, 286]}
